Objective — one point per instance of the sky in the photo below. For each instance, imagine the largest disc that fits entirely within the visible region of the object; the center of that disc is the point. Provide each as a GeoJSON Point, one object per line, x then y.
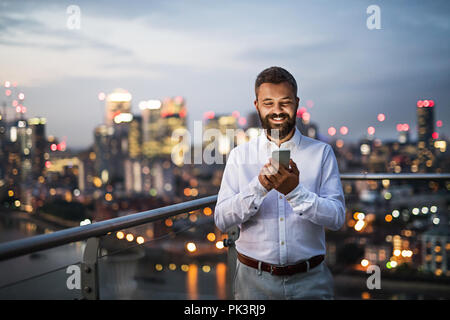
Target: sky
{"type": "Point", "coordinates": [210, 52]}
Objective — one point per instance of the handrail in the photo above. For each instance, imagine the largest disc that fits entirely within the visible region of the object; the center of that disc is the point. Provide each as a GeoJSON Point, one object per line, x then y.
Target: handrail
{"type": "Point", "coordinates": [395, 176]}
{"type": "Point", "coordinates": [20, 247]}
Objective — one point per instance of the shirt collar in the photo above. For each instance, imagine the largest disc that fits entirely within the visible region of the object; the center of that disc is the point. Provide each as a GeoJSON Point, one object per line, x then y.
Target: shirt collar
{"type": "Point", "coordinates": [289, 144]}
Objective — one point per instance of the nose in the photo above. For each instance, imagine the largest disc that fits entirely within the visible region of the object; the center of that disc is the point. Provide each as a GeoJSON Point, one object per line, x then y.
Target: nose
{"type": "Point", "coordinates": [277, 108]}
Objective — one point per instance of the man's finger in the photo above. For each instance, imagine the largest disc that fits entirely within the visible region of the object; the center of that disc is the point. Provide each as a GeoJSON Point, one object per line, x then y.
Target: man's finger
{"type": "Point", "coordinates": [294, 166]}
{"type": "Point", "coordinates": [274, 164]}
{"type": "Point", "coordinates": [271, 178]}
{"type": "Point", "coordinates": [283, 170]}
{"type": "Point", "coordinates": [266, 183]}
{"type": "Point", "coordinates": [269, 175]}
{"type": "Point", "coordinates": [271, 169]}
{"type": "Point", "coordinates": [279, 168]}
{"type": "Point", "coordinates": [266, 171]}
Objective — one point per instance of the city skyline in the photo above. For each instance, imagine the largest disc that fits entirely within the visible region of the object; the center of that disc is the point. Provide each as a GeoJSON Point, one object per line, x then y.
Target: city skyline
{"type": "Point", "coordinates": [330, 135]}
{"type": "Point", "coordinates": [196, 52]}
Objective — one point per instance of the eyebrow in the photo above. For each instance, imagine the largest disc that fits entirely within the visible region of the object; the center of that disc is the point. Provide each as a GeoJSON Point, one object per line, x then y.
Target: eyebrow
{"type": "Point", "coordinates": [280, 99]}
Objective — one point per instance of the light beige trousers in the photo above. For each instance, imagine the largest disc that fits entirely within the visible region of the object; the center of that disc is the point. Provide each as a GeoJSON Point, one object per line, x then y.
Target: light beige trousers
{"type": "Point", "coordinates": [252, 284]}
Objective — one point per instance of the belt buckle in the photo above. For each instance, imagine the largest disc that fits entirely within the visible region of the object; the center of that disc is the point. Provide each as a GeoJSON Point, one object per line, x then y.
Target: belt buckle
{"type": "Point", "coordinates": [307, 265]}
{"type": "Point", "coordinates": [271, 269]}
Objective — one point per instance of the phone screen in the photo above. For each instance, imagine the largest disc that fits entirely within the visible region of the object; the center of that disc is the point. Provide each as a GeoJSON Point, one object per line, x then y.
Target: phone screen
{"type": "Point", "coordinates": [282, 156]}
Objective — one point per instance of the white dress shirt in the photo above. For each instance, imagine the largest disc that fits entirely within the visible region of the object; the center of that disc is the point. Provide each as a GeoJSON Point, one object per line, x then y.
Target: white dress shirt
{"type": "Point", "coordinates": [275, 228]}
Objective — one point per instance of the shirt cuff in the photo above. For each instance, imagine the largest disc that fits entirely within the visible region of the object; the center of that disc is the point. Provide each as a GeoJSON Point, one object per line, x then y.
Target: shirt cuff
{"type": "Point", "coordinates": [301, 199]}
{"type": "Point", "coordinates": [257, 193]}
{"type": "Point", "coordinates": [298, 193]}
{"type": "Point", "coordinates": [257, 188]}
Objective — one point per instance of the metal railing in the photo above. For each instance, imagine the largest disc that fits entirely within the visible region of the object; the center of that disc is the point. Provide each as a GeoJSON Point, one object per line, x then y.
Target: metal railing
{"type": "Point", "coordinates": [92, 232]}
{"type": "Point", "coordinates": [395, 176]}
{"type": "Point", "coordinates": [20, 247]}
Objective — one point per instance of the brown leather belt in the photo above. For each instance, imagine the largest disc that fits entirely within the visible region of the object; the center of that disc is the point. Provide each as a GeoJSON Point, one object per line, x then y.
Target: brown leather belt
{"type": "Point", "coordinates": [281, 270]}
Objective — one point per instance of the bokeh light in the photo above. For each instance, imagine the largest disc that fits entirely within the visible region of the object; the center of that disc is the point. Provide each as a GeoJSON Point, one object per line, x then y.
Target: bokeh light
{"type": "Point", "coordinates": [331, 131]}
{"type": "Point", "coordinates": [191, 247]}
{"type": "Point", "coordinates": [343, 130]}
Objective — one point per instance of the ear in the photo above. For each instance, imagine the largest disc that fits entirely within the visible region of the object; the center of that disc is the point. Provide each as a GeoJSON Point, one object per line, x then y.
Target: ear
{"type": "Point", "coordinates": [297, 99]}
{"type": "Point", "coordinates": [256, 104]}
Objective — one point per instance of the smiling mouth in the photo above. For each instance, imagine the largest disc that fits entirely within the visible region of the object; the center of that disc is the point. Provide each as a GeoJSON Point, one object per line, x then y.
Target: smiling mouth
{"type": "Point", "coordinates": [278, 119]}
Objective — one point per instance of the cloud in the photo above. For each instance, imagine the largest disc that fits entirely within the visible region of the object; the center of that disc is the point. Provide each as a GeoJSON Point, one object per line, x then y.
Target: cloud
{"type": "Point", "coordinates": [211, 51]}
{"type": "Point", "coordinates": [59, 52]}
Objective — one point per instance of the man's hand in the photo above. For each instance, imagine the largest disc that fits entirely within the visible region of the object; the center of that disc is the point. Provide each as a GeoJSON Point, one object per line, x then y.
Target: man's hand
{"type": "Point", "coordinates": [263, 177]}
{"type": "Point", "coordinates": [282, 179]}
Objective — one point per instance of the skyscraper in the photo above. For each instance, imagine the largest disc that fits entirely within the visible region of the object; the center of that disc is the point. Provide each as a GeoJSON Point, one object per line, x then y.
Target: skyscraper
{"type": "Point", "coordinates": [403, 132]}
{"type": "Point", "coordinates": [159, 121]}
{"type": "Point", "coordinates": [38, 146]}
{"type": "Point", "coordinates": [117, 102]}
{"type": "Point", "coordinates": [217, 137]}
{"type": "Point", "coordinates": [3, 150]}
{"type": "Point", "coordinates": [173, 117]}
{"type": "Point", "coordinates": [102, 147]}
{"type": "Point", "coordinates": [304, 124]}
{"type": "Point", "coordinates": [425, 117]}
{"type": "Point", "coordinates": [111, 139]}
{"type": "Point", "coordinates": [151, 114]}
{"type": "Point", "coordinates": [135, 138]}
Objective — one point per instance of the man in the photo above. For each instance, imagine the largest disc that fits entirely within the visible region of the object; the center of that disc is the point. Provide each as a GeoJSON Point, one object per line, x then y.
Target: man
{"type": "Point", "coordinates": [281, 212]}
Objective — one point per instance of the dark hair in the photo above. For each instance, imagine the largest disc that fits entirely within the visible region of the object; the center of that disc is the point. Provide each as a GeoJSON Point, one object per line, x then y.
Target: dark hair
{"type": "Point", "coordinates": [275, 75]}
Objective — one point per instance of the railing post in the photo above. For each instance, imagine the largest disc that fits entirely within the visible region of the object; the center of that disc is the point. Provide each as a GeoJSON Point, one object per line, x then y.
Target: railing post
{"type": "Point", "coordinates": [233, 235]}
{"type": "Point", "coordinates": [89, 270]}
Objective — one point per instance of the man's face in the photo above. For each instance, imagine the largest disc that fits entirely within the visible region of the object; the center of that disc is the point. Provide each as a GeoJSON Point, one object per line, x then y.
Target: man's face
{"type": "Point", "coordinates": [277, 107]}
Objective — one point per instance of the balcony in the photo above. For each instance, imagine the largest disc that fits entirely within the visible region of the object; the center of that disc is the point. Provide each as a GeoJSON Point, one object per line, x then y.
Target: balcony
{"type": "Point", "coordinates": [398, 222]}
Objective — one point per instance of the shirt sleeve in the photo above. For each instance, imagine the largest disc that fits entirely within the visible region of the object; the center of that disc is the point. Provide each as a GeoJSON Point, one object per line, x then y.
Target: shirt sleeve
{"type": "Point", "coordinates": [235, 205]}
{"type": "Point", "coordinates": [328, 207]}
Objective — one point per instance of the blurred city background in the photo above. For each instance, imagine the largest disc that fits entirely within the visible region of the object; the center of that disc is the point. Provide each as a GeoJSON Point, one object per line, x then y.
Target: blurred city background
{"type": "Point", "coordinates": [89, 108]}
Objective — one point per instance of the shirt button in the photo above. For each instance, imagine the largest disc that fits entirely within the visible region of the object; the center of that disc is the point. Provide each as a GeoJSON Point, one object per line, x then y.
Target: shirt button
{"type": "Point", "coordinates": [282, 243]}
{"type": "Point", "coordinates": [281, 197]}
{"type": "Point", "coordinates": [281, 219]}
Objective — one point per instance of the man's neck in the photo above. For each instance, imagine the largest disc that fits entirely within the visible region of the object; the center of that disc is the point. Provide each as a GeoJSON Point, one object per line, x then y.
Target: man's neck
{"type": "Point", "coordinates": [278, 142]}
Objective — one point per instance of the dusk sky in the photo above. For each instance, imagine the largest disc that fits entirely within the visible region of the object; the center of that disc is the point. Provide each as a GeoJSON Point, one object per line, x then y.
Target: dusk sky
{"type": "Point", "coordinates": [210, 52]}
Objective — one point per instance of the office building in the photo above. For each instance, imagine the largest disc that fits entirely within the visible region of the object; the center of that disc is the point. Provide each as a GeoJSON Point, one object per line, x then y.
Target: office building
{"type": "Point", "coordinates": [425, 144]}
{"type": "Point", "coordinates": [117, 102]}
{"type": "Point", "coordinates": [39, 146]}
{"type": "Point", "coordinates": [160, 120]}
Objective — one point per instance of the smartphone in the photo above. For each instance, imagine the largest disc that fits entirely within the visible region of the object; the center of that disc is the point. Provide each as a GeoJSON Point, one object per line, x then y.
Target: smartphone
{"type": "Point", "coordinates": [282, 156]}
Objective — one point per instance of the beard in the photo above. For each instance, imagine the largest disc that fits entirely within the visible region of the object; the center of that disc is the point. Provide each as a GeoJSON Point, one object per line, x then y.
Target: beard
{"type": "Point", "coordinates": [283, 129]}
